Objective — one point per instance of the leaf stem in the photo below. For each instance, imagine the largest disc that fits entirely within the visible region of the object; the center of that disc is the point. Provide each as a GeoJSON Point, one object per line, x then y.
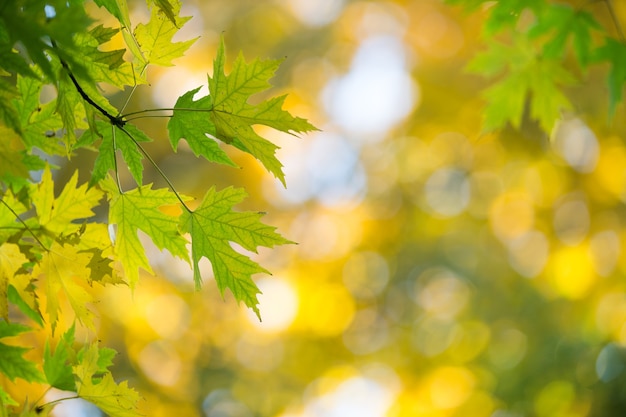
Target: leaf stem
{"type": "Point", "coordinates": [117, 173]}
{"type": "Point", "coordinates": [166, 109]}
{"type": "Point", "coordinates": [160, 116]}
{"type": "Point", "coordinates": [159, 170]}
{"type": "Point", "coordinates": [130, 95]}
{"type": "Point", "coordinates": [24, 224]}
{"type": "Point", "coordinates": [41, 407]}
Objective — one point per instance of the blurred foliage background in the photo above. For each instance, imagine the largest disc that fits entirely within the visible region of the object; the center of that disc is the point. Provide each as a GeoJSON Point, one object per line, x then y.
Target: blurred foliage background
{"type": "Point", "coordinates": [438, 272]}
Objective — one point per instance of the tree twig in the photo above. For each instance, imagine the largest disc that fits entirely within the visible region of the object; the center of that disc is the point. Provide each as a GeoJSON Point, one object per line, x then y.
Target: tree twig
{"type": "Point", "coordinates": [23, 223]}
{"type": "Point", "coordinates": [620, 32]}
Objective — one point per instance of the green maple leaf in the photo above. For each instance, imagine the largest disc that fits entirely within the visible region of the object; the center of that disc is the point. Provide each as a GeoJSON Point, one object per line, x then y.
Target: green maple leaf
{"type": "Point", "coordinates": [96, 385]}
{"type": "Point", "coordinates": [136, 210]}
{"type": "Point", "coordinates": [12, 62]}
{"type": "Point", "coordinates": [55, 365]}
{"type": "Point", "coordinates": [59, 215]}
{"type": "Point", "coordinates": [613, 52]}
{"type": "Point", "coordinates": [114, 138]}
{"type": "Point", "coordinates": [527, 77]}
{"type": "Point", "coordinates": [548, 101]}
{"type": "Point", "coordinates": [29, 311]}
{"type": "Point", "coordinates": [26, 23]}
{"type": "Point", "coordinates": [505, 14]}
{"type": "Point", "coordinates": [212, 226]}
{"type": "Point", "coordinates": [12, 361]}
{"type": "Point", "coordinates": [8, 114]}
{"type": "Point", "coordinates": [231, 117]}
{"type": "Point", "coordinates": [6, 399]}
{"type": "Point", "coordinates": [560, 22]}
{"type": "Point", "coordinates": [194, 127]}
{"type": "Point", "coordinates": [70, 108]}
{"type": "Point", "coordinates": [63, 267]}
{"type": "Point", "coordinates": [107, 66]}
{"type": "Point", "coordinates": [37, 120]}
{"type": "Point", "coordinates": [155, 37]}
{"type": "Point", "coordinates": [117, 8]}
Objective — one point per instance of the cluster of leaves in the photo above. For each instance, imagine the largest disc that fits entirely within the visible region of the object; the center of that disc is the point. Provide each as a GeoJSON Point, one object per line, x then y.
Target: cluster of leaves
{"type": "Point", "coordinates": [528, 48]}
{"type": "Point", "coordinates": [52, 251]}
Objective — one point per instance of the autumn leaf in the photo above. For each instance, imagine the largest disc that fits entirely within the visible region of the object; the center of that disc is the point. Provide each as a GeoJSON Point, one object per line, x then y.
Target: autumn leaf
{"type": "Point", "coordinates": [96, 385]}
{"type": "Point", "coordinates": [59, 215]}
{"type": "Point", "coordinates": [10, 207]}
{"type": "Point", "coordinates": [65, 271]}
{"type": "Point", "coordinates": [11, 260]}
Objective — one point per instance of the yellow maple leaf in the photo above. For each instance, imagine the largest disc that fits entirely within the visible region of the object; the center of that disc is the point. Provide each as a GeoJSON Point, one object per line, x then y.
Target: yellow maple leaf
{"type": "Point", "coordinates": [63, 268]}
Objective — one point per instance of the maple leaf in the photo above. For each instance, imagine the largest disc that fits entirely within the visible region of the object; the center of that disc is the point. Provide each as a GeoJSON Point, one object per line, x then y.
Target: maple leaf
{"type": "Point", "coordinates": [107, 66]}
{"type": "Point", "coordinates": [70, 108]}
{"type": "Point", "coordinates": [194, 127]}
{"type": "Point", "coordinates": [231, 117]}
{"type": "Point", "coordinates": [168, 9]}
{"type": "Point", "coordinates": [37, 120]}
{"type": "Point", "coordinates": [11, 260]}
{"type": "Point", "coordinates": [12, 361]}
{"type": "Point", "coordinates": [614, 52]}
{"type": "Point", "coordinates": [506, 14]}
{"type": "Point", "coordinates": [95, 240]}
{"type": "Point", "coordinates": [8, 221]}
{"type": "Point", "coordinates": [6, 399]}
{"type": "Point", "coordinates": [155, 37]}
{"type": "Point", "coordinates": [26, 24]}
{"type": "Point", "coordinates": [59, 215]}
{"type": "Point", "coordinates": [528, 77]}
{"type": "Point", "coordinates": [116, 400]}
{"type": "Point", "coordinates": [55, 365]}
{"type": "Point", "coordinates": [62, 266]}
{"type": "Point", "coordinates": [212, 226]}
{"type": "Point", "coordinates": [25, 299]}
{"type": "Point", "coordinates": [562, 21]}
{"type": "Point", "coordinates": [114, 7]}
{"type": "Point", "coordinates": [12, 154]}
{"type": "Point", "coordinates": [115, 138]}
{"type": "Point", "coordinates": [136, 210]}
{"type": "Point", "coordinates": [8, 113]}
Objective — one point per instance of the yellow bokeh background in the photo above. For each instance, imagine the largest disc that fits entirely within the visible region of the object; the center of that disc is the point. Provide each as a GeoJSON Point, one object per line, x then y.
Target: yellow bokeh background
{"type": "Point", "coordinates": [438, 271]}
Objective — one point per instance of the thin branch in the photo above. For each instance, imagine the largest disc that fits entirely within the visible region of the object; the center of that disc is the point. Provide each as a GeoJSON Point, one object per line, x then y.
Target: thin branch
{"type": "Point", "coordinates": [154, 164]}
{"type": "Point", "coordinates": [116, 121]}
{"type": "Point", "coordinates": [620, 32]}
{"type": "Point", "coordinates": [24, 224]}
